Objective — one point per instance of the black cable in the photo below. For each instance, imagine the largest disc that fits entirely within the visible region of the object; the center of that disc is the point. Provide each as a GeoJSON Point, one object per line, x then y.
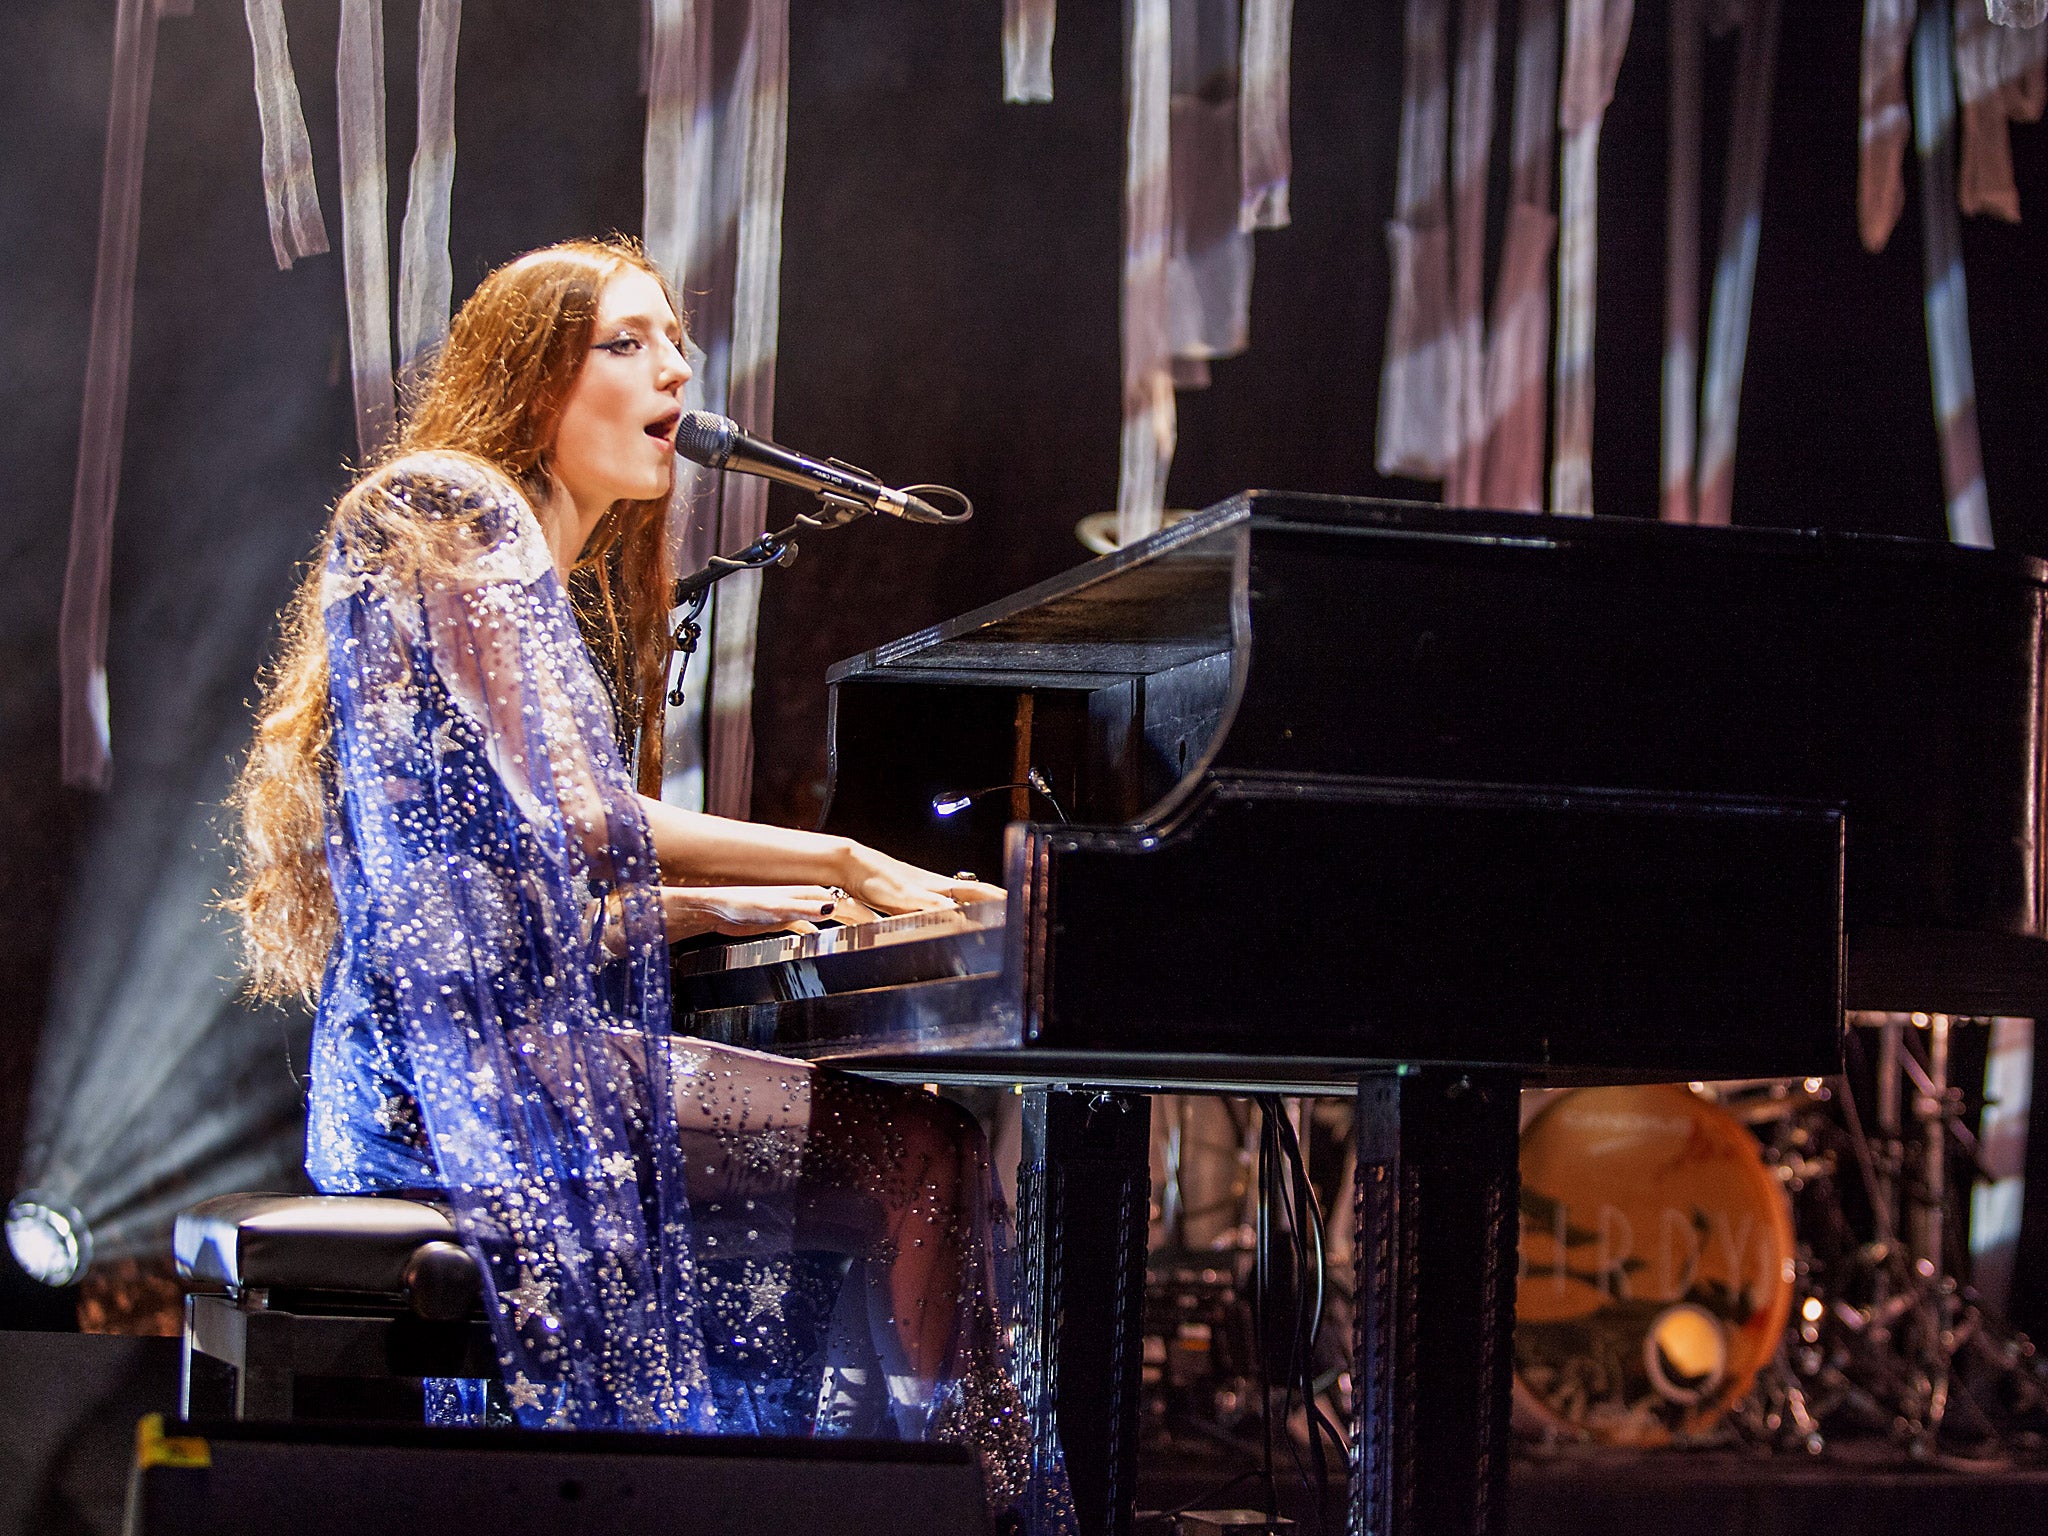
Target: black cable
{"type": "Point", "coordinates": [1215, 1492]}
{"type": "Point", "coordinates": [769, 550]}
{"type": "Point", "coordinates": [1286, 1190]}
{"type": "Point", "coordinates": [1298, 1199]}
{"type": "Point", "coordinates": [1261, 1300]}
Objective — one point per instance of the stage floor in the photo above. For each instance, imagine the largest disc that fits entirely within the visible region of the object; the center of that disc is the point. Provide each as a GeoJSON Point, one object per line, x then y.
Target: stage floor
{"type": "Point", "coordinates": [1855, 1488]}
{"type": "Point", "coordinates": [69, 1402]}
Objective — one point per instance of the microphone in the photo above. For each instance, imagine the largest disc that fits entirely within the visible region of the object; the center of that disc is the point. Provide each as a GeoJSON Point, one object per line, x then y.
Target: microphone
{"type": "Point", "coordinates": [718, 442]}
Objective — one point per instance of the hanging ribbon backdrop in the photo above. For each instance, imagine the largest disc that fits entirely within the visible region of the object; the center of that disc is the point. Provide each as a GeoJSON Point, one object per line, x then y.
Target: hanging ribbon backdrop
{"type": "Point", "coordinates": [1463, 387]}
{"type": "Point", "coordinates": [424, 276]}
{"type": "Point", "coordinates": [1999, 81]}
{"type": "Point", "coordinates": [1749, 137]}
{"type": "Point", "coordinates": [1681, 263]}
{"type": "Point", "coordinates": [1982, 68]}
{"type": "Point", "coordinates": [1207, 163]}
{"type": "Point", "coordinates": [1418, 377]}
{"type": "Point", "coordinates": [1518, 333]}
{"type": "Point", "coordinates": [1027, 50]}
{"type": "Point", "coordinates": [717, 130]}
{"type": "Point", "coordinates": [289, 195]}
{"type": "Point", "coordinates": [1463, 402]}
{"type": "Point", "coordinates": [297, 230]}
{"type": "Point", "coordinates": [1596, 36]}
{"type": "Point", "coordinates": [82, 625]}
{"type": "Point", "coordinates": [426, 279]}
{"type": "Point", "coordinates": [1947, 302]}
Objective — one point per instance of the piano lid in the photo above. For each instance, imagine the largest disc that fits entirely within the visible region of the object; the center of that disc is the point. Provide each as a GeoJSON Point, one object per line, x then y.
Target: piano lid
{"type": "Point", "coordinates": [1379, 640]}
{"type": "Point", "coordinates": [1173, 598]}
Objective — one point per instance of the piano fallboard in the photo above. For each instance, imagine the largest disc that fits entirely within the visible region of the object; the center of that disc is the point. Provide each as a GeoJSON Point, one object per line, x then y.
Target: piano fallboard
{"type": "Point", "coordinates": [1567, 936]}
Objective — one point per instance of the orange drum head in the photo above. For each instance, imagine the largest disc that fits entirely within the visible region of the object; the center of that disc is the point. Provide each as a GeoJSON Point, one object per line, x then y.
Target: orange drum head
{"type": "Point", "coordinates": [1656, 1263]}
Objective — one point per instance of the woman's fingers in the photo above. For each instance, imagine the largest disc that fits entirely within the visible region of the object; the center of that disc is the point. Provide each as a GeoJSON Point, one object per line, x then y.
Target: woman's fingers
{"type": "Point", "coordinates": [851, 909]}
{"type": "Point", "coordinates": [967, 892]}
{"type": "Point", "coordinates": [766, 908]}
{"type": "Point", "coordinates": [735, 930]}
{"type": "Point", "coordinates": [900, 887]}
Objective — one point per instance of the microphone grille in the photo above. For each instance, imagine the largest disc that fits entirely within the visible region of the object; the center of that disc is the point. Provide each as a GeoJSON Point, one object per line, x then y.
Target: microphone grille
{"type": "Point", "coordinates": [706, 437]}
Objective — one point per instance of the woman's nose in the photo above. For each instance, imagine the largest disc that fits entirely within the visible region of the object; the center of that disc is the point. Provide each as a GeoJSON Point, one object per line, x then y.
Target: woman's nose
{"type": "Point", "coordinates": [675, 367]}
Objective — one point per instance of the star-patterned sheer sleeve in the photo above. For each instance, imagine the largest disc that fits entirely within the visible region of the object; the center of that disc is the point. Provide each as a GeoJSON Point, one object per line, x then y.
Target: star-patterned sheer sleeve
{"type": "Point", "coordinates": [481, 822]}
{"type": "Point", "coordinates": [675, 1235]}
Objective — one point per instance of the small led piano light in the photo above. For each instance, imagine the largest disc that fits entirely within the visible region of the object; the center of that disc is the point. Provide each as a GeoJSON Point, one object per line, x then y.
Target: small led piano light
{"type": "Point", "coordinates": [950, 802]}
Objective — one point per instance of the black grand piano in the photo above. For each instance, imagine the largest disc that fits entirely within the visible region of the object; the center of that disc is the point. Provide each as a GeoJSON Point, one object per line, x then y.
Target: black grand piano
{"type": "Point", "coordinates": [1315, 794]}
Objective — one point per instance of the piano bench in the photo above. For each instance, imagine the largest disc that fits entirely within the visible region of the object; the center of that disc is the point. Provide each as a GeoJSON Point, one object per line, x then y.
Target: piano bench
{"type": "Point", "coordinates": [368, 1292]}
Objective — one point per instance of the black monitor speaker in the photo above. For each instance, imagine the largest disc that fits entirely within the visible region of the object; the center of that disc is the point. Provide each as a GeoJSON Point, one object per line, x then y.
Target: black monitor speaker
{"type": "Point", "coordinates": [377, 1480]}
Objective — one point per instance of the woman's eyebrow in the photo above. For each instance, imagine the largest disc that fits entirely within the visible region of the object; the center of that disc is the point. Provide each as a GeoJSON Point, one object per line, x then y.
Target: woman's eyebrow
{"type": "Point", "coordinates": [647, 324]}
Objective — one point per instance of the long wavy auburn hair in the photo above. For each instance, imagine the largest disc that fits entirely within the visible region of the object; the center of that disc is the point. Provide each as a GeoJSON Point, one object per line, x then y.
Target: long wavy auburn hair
{"type": "Point", "coordinates": [494, 394]}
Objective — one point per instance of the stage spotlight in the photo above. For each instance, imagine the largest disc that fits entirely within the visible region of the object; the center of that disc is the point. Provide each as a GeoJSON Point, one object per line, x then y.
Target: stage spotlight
{"type": "Point", "coordinates": [51, 1241]}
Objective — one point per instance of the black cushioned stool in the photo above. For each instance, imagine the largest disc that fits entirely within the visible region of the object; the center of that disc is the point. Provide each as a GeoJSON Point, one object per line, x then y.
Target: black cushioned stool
{"type": "Point", "coordinates": [282, 1287]}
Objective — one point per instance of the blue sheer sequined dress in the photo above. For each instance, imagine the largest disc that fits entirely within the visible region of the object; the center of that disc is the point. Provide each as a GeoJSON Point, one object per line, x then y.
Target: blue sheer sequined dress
{"type": "Point", "coordinates": [675, 1235]}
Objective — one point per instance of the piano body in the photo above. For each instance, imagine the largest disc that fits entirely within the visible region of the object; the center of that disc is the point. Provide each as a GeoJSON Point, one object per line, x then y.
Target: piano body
{"type": "Point", "coordinates": [1419, 804]}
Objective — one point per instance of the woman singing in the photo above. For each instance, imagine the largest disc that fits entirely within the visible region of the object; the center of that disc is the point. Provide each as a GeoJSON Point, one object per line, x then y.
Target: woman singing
{"type": "Point", "coordinates": [443, 844]}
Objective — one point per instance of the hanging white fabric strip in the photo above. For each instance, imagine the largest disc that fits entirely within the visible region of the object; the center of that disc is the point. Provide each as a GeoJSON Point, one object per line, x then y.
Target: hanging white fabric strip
{"type": "Point", "coordinates": [1265, 150]}
{"type": "Point", "coordinates": [1027, 49]}
{"type": "Point", "coordinates": [1947, 302]}
{"type": "Point", "coordinates": [1885, 124]}
{"type": "Point", "coordinates": [676, 215]}
{"type": "Point", "coordinates": [1682, 264]}
{"type": "Point", "coordinates": [1749, 141]}
{"type": "Point", "coordinates": [1984, 180]}
{"type": "Point", "coordinates": [1149, 427]}
{"type": "Point", "coordinates": [750, 398]}
{"type": "Point", "coordinates": [359, 82]}
{"type": "Point", "coordinates": [1999, 79]}
{"type": "Point", "coordinates": [426, 280]}
{"type": "Point", "coordinates": [1471, 158]}
{"type": "Point", "coordinates": [2025, 72]}
{"type": "Point", "coordinates": [82, 624]}
{"type": "Point", "coordinates": [293, 201]}
{"type": "Point", "coordinates": [1596, 35]}
{"type": "Point", "coordinates": [676, 154]}
{"type": "Point", "coordinates": [1209, 261]}
{"type": "Point", "coordinates": [2017, 13]}
{"type": "Point", "coordinates": [1518, 340]}
{"type": "Point", "coordinates": [1998, 1201]}
{"type": "Point", "coordinates": [1418, 373]}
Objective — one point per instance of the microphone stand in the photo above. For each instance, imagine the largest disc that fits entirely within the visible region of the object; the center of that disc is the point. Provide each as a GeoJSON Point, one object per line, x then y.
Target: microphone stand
{"type": "Point", "coordinates": [773, 548]}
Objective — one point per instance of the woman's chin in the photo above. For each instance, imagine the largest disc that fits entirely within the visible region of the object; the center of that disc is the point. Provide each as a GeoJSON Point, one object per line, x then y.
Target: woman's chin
{"type": "Point", "coordinates": [650, 487]}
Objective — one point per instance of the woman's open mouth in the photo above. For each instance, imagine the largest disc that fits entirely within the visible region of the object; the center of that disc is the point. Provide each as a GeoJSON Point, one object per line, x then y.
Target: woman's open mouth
{"type": "Point", "coordinates": [663, 427]}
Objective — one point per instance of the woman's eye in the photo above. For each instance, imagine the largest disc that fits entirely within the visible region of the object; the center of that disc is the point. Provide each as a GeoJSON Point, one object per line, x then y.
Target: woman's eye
{"type": "Point", "coordinates": [622, 346]}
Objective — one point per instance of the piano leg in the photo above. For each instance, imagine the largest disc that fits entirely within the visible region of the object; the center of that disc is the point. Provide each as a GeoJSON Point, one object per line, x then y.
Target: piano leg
{"type": "Point", "coordinates": [1437, 1190]}
{"type": "Point", "coordinates": [1085, 1194]}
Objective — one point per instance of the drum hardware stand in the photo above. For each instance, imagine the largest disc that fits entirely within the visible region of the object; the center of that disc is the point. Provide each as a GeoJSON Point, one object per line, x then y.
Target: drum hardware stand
{"type": "Point", "coordinates": [1892, 1357]}
{"type": "Point", "coordinates": [1777, 1414]}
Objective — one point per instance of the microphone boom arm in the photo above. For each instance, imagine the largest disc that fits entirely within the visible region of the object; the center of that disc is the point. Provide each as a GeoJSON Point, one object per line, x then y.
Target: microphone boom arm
{"type": "Point", "coordinates": [775, 548]}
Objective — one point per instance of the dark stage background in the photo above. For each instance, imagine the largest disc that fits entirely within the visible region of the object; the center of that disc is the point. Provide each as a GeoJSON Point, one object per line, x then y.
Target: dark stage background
{"type": "Point", "coordinates": [949, 312]}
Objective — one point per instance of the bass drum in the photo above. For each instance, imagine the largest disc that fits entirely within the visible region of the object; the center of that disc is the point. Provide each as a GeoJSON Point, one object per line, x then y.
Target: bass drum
{"type": "Point", "coordinates": [1656, 1269]}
